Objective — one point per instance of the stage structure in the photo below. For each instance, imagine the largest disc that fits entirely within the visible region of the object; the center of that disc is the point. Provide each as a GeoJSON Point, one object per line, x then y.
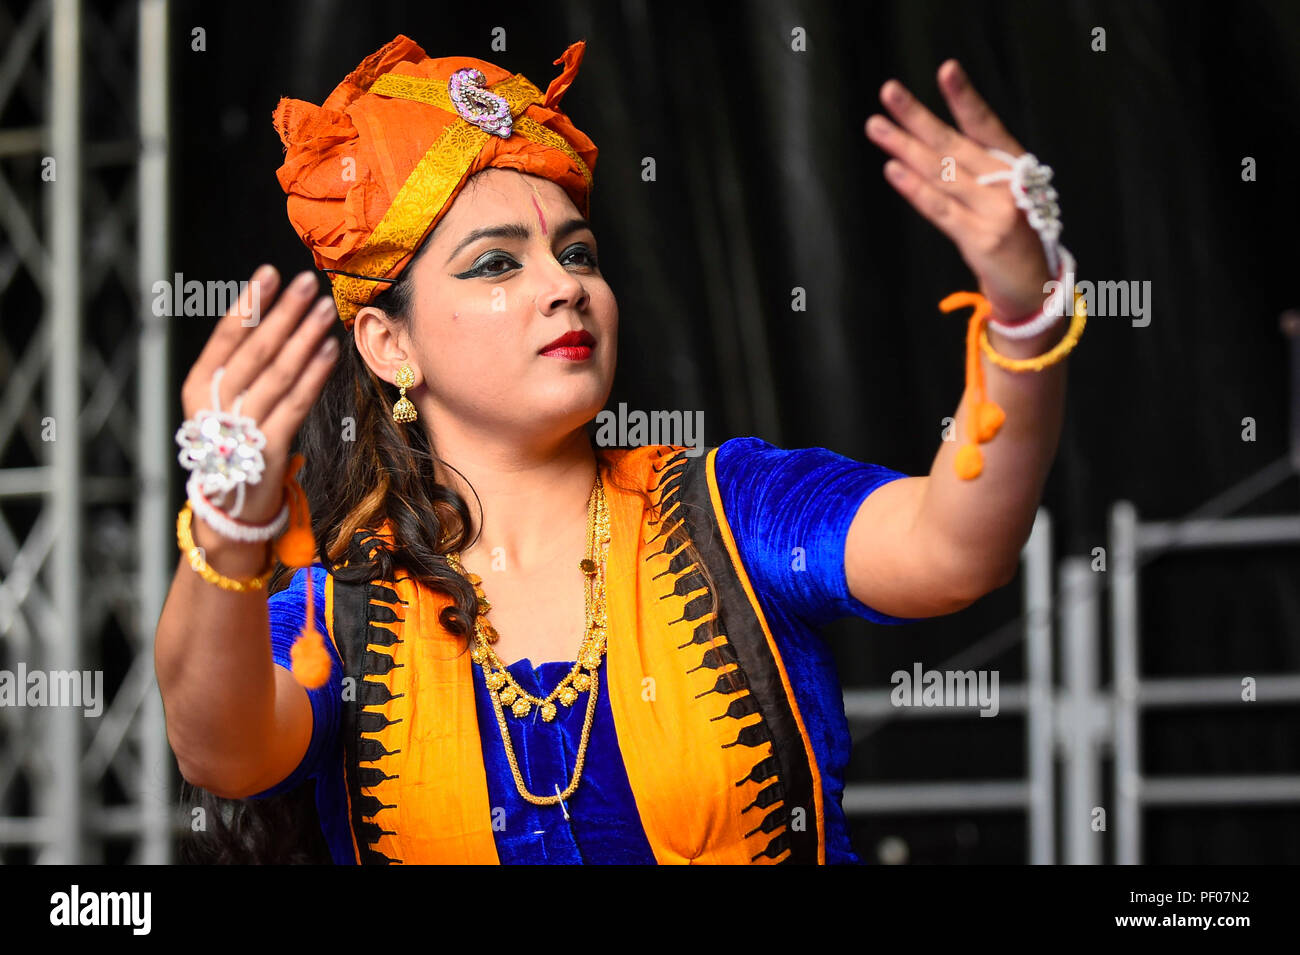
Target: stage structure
{"type": "Point", "coordinates": [85, 405]}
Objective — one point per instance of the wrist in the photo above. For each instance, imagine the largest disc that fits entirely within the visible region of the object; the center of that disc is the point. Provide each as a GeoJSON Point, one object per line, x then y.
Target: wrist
{"type": "Point", "coordinates": [233, 558]}
{"type": "Point", "coordinates": [1052, 311]}
{"type": "Point", "coordinates": [1027, 347]}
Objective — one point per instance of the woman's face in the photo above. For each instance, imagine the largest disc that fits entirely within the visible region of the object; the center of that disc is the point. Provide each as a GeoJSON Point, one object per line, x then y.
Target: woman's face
{"type": "Point", "coordinates": [509, 269]}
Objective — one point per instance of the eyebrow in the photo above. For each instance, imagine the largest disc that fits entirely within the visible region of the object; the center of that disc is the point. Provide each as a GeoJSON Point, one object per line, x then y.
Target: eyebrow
{"type": "Point", "coordinates": [516, 230]}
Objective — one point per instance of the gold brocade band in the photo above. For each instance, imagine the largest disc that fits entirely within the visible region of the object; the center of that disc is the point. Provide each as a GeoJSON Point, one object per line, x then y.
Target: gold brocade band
{"type": "Point", "coordinates": [517, 91]}
{"type": "Point", "coordinates": [434, 178]}
{"type": "Point", "coordinates": [1039, 362]}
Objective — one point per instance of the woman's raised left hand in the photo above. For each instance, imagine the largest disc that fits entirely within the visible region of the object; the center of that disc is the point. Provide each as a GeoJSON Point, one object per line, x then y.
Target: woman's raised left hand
{"type": "Point", "coordinates": [935, 168]}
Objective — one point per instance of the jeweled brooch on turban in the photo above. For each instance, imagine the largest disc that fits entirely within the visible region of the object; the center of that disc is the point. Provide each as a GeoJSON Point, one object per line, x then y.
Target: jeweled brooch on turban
{"type": "Point", "coordinates": [478, 105]}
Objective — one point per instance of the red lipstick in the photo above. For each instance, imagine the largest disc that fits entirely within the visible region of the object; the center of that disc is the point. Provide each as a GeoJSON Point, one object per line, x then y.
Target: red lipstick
{"type": "Point", "coordinates": [571, 346]}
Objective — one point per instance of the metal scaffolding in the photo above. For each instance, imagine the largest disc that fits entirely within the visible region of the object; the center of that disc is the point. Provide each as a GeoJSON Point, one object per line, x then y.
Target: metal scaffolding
{"type": "Point", "coordinates": [1036, 699]}
{"type": "Point", "coordinates": [1135, 695]}
{"type": "Point", "coordinates": [84, 462]}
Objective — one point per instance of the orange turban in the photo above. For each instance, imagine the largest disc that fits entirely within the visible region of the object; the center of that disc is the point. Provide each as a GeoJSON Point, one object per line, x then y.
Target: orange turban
{"type": "Point", "coordinates": [370, 172]}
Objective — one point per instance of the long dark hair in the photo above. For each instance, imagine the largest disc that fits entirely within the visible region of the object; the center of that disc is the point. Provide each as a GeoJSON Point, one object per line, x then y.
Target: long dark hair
{"type": "Point", "coordinates": [387, 471]}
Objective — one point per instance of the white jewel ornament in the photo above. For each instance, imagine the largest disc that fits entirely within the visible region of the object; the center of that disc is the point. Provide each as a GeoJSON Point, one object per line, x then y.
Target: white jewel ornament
{"type": "Point", "coordinates": [477, 104]}
{"type": "Point", "coordinates": [222, 448]}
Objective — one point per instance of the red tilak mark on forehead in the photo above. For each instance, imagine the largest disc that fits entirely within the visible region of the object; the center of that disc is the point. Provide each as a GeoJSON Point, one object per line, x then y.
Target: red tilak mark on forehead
{"type": "Point", "coordinates": [540, 218]}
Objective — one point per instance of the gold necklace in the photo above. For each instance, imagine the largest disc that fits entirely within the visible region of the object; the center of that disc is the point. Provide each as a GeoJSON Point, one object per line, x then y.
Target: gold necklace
{"type": "Point", "coordinates": [505, 691]}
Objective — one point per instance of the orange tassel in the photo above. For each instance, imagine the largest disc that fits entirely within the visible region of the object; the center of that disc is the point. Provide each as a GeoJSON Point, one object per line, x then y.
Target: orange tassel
{"type": "Point", "coordinates": [990, 417]}
{"type": "Point", "coordinates": [311, 661]}
{"type": "Point", "coordinates": [983, 417]}
{"type": "Point", "coordinates": [296, 547]}
{"type": "Point", "coordinates": [970, 462]}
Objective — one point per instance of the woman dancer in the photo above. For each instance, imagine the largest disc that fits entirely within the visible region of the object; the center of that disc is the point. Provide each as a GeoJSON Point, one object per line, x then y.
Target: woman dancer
{"type": "Point", "coordinates": [499, 642]}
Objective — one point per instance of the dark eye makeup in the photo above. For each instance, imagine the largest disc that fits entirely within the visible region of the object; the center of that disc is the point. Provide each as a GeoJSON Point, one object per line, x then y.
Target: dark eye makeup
{"type": "Point", "coordinates": [486, 264]}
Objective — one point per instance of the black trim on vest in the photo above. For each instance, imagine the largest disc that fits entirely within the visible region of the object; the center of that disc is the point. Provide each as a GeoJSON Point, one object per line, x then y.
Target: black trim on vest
{"type": "Point", "coordinates": [355, 610]}
{"type": "Point", "coordinates": [684, 481]}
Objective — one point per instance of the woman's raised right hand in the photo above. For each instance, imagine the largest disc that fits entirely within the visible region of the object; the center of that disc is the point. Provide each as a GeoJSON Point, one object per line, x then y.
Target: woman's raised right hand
{"type": "Point", "coordinates": [282, 357]}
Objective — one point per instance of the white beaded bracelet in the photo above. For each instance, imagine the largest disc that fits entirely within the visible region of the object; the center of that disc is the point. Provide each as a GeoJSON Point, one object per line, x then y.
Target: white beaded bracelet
{"type": "Point", "coordinates": [231, 529]}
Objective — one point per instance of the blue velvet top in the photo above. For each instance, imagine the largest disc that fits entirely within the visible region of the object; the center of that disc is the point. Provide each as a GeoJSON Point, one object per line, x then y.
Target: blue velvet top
{"type": "Point", "coordinates": [790, 513]}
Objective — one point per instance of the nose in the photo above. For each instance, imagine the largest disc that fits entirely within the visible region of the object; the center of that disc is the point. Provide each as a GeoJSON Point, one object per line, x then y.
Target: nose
{"type": "Point", "coordinates": [561, 289]}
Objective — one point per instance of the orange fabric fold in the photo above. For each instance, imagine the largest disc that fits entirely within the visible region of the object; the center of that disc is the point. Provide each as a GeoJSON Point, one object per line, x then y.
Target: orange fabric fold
{"type": "Point", "coordinates": [351, 160]}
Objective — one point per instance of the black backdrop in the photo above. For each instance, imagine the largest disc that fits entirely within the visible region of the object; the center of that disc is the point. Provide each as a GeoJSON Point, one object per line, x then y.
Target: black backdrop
{"type": "Point", "coordinates": [765, 181]}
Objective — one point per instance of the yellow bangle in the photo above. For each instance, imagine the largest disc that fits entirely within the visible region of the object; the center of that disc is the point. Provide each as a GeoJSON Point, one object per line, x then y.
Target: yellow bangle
{"type": "Point", "coordinates": [193, 553]}
{"type": "Point", "coordinates": [1039, 362]}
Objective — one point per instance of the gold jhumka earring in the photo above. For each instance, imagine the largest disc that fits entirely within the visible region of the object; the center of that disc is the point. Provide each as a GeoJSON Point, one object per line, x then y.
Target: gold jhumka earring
{"type": "Point", "coordinates": [404, 411]}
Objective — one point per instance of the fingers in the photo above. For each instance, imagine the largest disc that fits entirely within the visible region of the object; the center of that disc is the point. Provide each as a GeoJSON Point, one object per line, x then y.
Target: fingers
{"type": "Point", "coordinates": [231, 330]}
{"type": "Point", "coordinates": [940, 171]}
{"type": "Point", "coordinates": [925, 147]}
{"type": "Point", "coordinates": [284, 420]}
{"type": "Point", "coordinates": [976, 119]}
{"type": "Point", "coordinates": [257, 350]}
{"type": "Point", "coordinates": [952, 218]}
{"type": "Point", "coordinates": [276, 377]}
{"type": "Point", "coordinates": [912, 115]}
{"type": "Point", "coordinates": [281, 365]}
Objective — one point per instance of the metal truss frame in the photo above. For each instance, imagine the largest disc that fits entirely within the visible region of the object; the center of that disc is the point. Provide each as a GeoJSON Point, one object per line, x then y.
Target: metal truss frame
{"type": "Point", "coordinates": [84, 498]}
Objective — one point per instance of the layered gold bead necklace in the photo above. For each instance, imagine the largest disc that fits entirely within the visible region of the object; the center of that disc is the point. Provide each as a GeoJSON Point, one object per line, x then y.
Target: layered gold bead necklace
{"type": "Point", "coordinates": [506, 692]}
